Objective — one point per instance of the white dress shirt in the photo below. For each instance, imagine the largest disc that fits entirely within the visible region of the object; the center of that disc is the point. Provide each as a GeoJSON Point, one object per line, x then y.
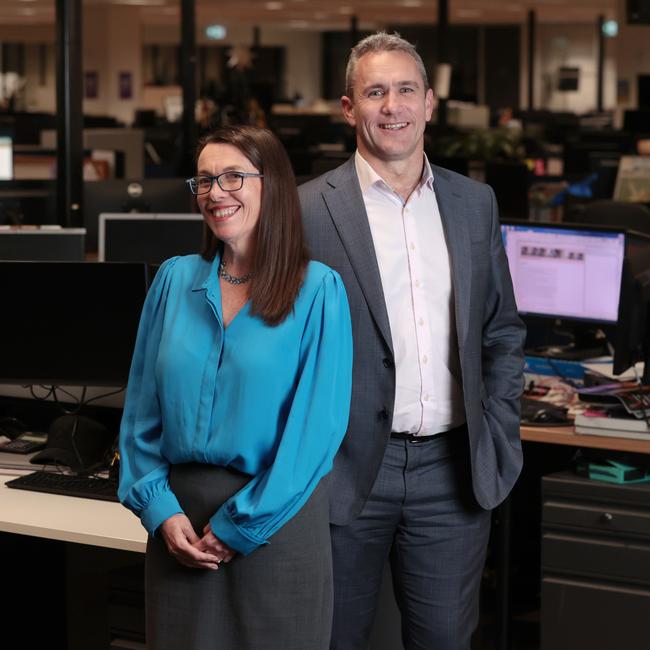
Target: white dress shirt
{"type": "Point", "coordinates": [416, 279]}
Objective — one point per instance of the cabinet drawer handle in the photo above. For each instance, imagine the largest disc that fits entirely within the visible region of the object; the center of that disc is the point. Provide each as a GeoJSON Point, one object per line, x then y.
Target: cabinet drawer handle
{"type": "Point", "coordinates": [606, 517]}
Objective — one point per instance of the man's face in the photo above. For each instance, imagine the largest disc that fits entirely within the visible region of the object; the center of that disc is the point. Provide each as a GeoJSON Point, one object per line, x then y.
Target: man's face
{"type": "Point", "coordinates": [390, 107]}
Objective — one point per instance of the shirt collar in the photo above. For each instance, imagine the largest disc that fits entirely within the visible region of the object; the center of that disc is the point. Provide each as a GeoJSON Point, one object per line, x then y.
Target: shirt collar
{"type": "Point", "coordinates": [207, 275]}
{"type": "Point", "coordinates": [368, 177]}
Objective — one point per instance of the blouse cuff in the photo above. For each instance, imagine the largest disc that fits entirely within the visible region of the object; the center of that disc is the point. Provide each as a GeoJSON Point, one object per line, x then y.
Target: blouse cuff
{"type": "Point", "coordinates": [160, 508]}
{"type": "Point", "coordinates": [228, 532]}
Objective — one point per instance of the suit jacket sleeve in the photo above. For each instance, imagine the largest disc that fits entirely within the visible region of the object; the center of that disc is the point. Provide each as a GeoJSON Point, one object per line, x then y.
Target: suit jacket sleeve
{"type": "Point", "coordinates": [497, 456]}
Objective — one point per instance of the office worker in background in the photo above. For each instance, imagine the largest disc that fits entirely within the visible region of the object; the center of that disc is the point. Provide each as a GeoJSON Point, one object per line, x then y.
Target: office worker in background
{"type": "Point", "coordinates": [433, 440]}
{"type": "Point", "coordinates": [237, 402]}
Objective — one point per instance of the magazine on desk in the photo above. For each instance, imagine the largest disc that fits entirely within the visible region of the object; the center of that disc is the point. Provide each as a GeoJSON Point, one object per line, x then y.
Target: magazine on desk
{"type": "Point", "coordinates": [612, 426]}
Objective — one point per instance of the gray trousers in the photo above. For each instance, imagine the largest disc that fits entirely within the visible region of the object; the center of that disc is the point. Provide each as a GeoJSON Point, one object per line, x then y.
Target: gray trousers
{"type": "Point", "coordinates": [277, 598]}
{"type": "Point", "coordinates": [422, 516]}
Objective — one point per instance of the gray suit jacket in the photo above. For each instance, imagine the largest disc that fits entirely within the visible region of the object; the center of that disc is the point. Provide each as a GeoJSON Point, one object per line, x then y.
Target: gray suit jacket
{"type": "Point", "coordinates": [490, 334]}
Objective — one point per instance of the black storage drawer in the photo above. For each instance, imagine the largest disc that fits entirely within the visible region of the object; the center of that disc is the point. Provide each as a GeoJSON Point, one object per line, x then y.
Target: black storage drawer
{"type": "Point", "coordinates": [595, 564]}
{"type": "Point", "coordinates": [585, 615]}
{"type": "Point", "coordinates": [569, 487]}
{"type": "Point", "coordinates": [605, 518]}
{"type": "Point", "coordinates": [603, 557]}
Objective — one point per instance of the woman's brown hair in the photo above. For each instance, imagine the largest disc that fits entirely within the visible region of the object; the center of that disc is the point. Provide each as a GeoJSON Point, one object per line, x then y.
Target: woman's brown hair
{"type": "Point", "coordinates": [280, 252]}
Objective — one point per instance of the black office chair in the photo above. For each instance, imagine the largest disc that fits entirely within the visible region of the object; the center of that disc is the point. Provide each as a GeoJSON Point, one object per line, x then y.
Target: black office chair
{"type": "Point", "coordinates": [634, 216]}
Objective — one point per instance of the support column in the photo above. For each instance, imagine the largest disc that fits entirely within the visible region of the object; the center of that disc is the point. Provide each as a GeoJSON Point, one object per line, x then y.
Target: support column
{"type": "Point", "coordinates": [354, 30]}
{"type": "Point", "coordinates": [443, 55]}
{"type": "Point", "coordinates": [601, 63]}
{"type": "Point", "coordinates": [532, 25]}
{"type": "Point", "coordinates": [188, 81]}
{"type": "Point", "coordinates": [69, 121]}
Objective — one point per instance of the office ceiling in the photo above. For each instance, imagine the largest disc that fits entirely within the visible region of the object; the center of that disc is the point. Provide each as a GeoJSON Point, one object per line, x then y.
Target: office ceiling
{"type": "Point", "coordinates": [318, 15]}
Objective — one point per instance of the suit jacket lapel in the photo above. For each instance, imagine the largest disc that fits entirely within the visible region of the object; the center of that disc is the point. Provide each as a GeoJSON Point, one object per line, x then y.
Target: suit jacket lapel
{"type": "Point", "coordinates": [456, 228]}
{"type": "Point", "coordinates": [347, 210]}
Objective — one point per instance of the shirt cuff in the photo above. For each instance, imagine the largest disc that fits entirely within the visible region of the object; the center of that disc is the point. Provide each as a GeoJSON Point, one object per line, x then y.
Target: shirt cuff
{"type": "Point", "coordinates": [159, 509]}
{"type": "Point", "coordinates": [228, 532]}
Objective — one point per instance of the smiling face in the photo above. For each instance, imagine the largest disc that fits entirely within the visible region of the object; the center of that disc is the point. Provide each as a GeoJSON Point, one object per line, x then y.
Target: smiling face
{"type": "Point", "coordinates": [389, 109]}
{"type": "Point", "coordinates": [231, 216]}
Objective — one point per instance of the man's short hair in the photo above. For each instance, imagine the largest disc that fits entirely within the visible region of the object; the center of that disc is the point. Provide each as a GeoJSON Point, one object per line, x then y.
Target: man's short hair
{"type": "Point", "coordinates": [381, 42]}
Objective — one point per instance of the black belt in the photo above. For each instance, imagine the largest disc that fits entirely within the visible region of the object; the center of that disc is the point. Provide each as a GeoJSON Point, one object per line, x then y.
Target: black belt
{"type": "Point", "coordinates": [411, 437]}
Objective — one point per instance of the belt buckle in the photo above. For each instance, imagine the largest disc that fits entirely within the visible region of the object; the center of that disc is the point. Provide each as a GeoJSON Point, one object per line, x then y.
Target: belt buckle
{"type": "Point", "coordinates": [415, 440]}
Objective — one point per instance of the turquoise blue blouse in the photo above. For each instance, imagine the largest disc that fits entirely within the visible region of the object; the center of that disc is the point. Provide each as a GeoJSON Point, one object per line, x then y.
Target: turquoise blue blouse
{"type": "Point", "coordinates": [272, 402]}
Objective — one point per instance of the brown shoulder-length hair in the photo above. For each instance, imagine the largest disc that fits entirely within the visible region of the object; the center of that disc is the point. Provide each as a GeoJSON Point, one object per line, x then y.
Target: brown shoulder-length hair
{"type": "Point", "coordinates": [280, 251]}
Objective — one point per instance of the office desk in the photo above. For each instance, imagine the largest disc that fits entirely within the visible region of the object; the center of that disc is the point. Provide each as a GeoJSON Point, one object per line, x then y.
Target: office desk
{"type": "Point", "coordinates": [554, 436]}
{"type": "Point", "coordinates": [60, 554]}
{"type": "Point", "coordinates": [566, 436]}
{"type": "Point", "coordinates": [70, 519]}
{"type": "Point", "coordinates": [111, 526]}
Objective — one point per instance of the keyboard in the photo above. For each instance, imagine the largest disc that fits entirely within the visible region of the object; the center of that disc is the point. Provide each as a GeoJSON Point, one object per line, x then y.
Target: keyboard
{"type": "Point", "coordinates": [74, 486]}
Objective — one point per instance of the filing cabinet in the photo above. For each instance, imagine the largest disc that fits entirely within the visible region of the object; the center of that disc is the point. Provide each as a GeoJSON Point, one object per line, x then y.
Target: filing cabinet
{"type": "Point", "coordinates": [595, 564]}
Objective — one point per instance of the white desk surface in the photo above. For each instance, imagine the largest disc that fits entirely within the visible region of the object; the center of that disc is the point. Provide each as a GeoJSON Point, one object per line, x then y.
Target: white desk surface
{"type": "Point", "coordinates": [70, 519]}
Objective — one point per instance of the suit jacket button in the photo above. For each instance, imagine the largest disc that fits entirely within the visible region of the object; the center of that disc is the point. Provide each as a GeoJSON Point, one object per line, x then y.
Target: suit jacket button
{"type": "Point", "coordinates": [383, 414]}
{"type": "Point", "coordinates": [388, 363]}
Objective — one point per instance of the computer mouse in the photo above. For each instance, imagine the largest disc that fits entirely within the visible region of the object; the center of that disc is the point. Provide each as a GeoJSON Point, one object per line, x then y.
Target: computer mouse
{"type": "Point", "coordinates": [12, 427]}
{"type": "Point", "coordinates": [548, 416]}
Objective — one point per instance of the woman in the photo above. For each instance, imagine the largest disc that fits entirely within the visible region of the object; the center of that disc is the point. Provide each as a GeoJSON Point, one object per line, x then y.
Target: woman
{"type": "Point", "coordinates": [237, 402]}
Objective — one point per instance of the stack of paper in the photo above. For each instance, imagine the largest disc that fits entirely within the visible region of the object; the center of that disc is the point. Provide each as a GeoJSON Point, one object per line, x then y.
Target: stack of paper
{"type": "Point", "coordinates": [609, 426]}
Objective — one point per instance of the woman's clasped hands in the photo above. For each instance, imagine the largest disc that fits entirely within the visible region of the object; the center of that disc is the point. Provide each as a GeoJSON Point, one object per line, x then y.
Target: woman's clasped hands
{"type": "Point", "coordinates": [189, 549]}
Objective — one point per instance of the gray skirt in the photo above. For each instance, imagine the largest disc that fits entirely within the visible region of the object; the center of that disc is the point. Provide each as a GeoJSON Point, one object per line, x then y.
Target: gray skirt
{"type": "Point", "coordinates": [278, 597]}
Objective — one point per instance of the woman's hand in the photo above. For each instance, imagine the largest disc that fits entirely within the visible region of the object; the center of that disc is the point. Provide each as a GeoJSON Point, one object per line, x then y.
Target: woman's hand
{"type": "Point", "coordinates": [182, 544]}
{"type": "Point", "coordinates": [210, 543]}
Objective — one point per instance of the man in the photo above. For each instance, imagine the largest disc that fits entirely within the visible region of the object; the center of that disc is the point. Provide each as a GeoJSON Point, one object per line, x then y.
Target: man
{"type": "Point", "coordinates": [433, 439]}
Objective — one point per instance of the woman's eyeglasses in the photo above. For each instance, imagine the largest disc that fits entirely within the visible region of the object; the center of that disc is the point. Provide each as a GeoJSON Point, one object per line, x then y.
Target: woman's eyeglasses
{"type": "Point", "coordinates": [227, 181]}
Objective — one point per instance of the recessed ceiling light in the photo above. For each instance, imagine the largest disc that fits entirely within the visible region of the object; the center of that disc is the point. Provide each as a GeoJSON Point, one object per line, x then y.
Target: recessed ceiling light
{"type": "Point", "coordinates": [411, 3]}
{"type": "Point", "coordinates": [345, 10]}
{"type": "Point", "coordinates": [274, 6]}
{"type": "Point", "coordinates": [215, 32]}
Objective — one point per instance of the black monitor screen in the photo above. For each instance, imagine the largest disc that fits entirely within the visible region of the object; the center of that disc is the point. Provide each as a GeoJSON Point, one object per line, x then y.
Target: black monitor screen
{"type": "Point", "coordinates": [567, 273]}
{"type": "Point", "coordinates": [150, 238]}
{"type": "Point", "coordinates": [148, 195]}
{"type": "Point", "coordinates": [42, 244]}
{"type": "Point", "coordinates": [69, 323]}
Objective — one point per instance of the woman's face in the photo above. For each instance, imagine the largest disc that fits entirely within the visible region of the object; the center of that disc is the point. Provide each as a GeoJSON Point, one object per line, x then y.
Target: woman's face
{"type": "Point", "coordinates": [231, 216]}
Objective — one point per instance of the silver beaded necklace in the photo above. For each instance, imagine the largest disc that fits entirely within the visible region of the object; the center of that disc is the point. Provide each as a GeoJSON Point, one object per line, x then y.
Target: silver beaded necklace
{"type": "Point", "coordinates": [231, 278]}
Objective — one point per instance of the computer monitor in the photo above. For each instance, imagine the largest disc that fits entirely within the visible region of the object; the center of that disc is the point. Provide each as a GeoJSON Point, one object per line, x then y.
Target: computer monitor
{"type": "Point", "coordinates": [69, 323]}
{"type": "Point", "coordinates": [632, 338]}
{"type": "Point", "coordinates": [48, 243]}
{"type": "Point", "coordinates": [142, 196]}
{"type": "Point", "coordinates": [28, 201]}
{"type": "Point", "coordinates": [568, 274]}
{"type": "Point", "coordinates": [560, 272]}
{"type": "Point", "coordinates": [150, 238]}
{"type": "Point", "coordinates": [582, 279]}
{"type": "Point", "coordinates": [633, 180]}
{"type": "Point", "coordinates": [6, 158]}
